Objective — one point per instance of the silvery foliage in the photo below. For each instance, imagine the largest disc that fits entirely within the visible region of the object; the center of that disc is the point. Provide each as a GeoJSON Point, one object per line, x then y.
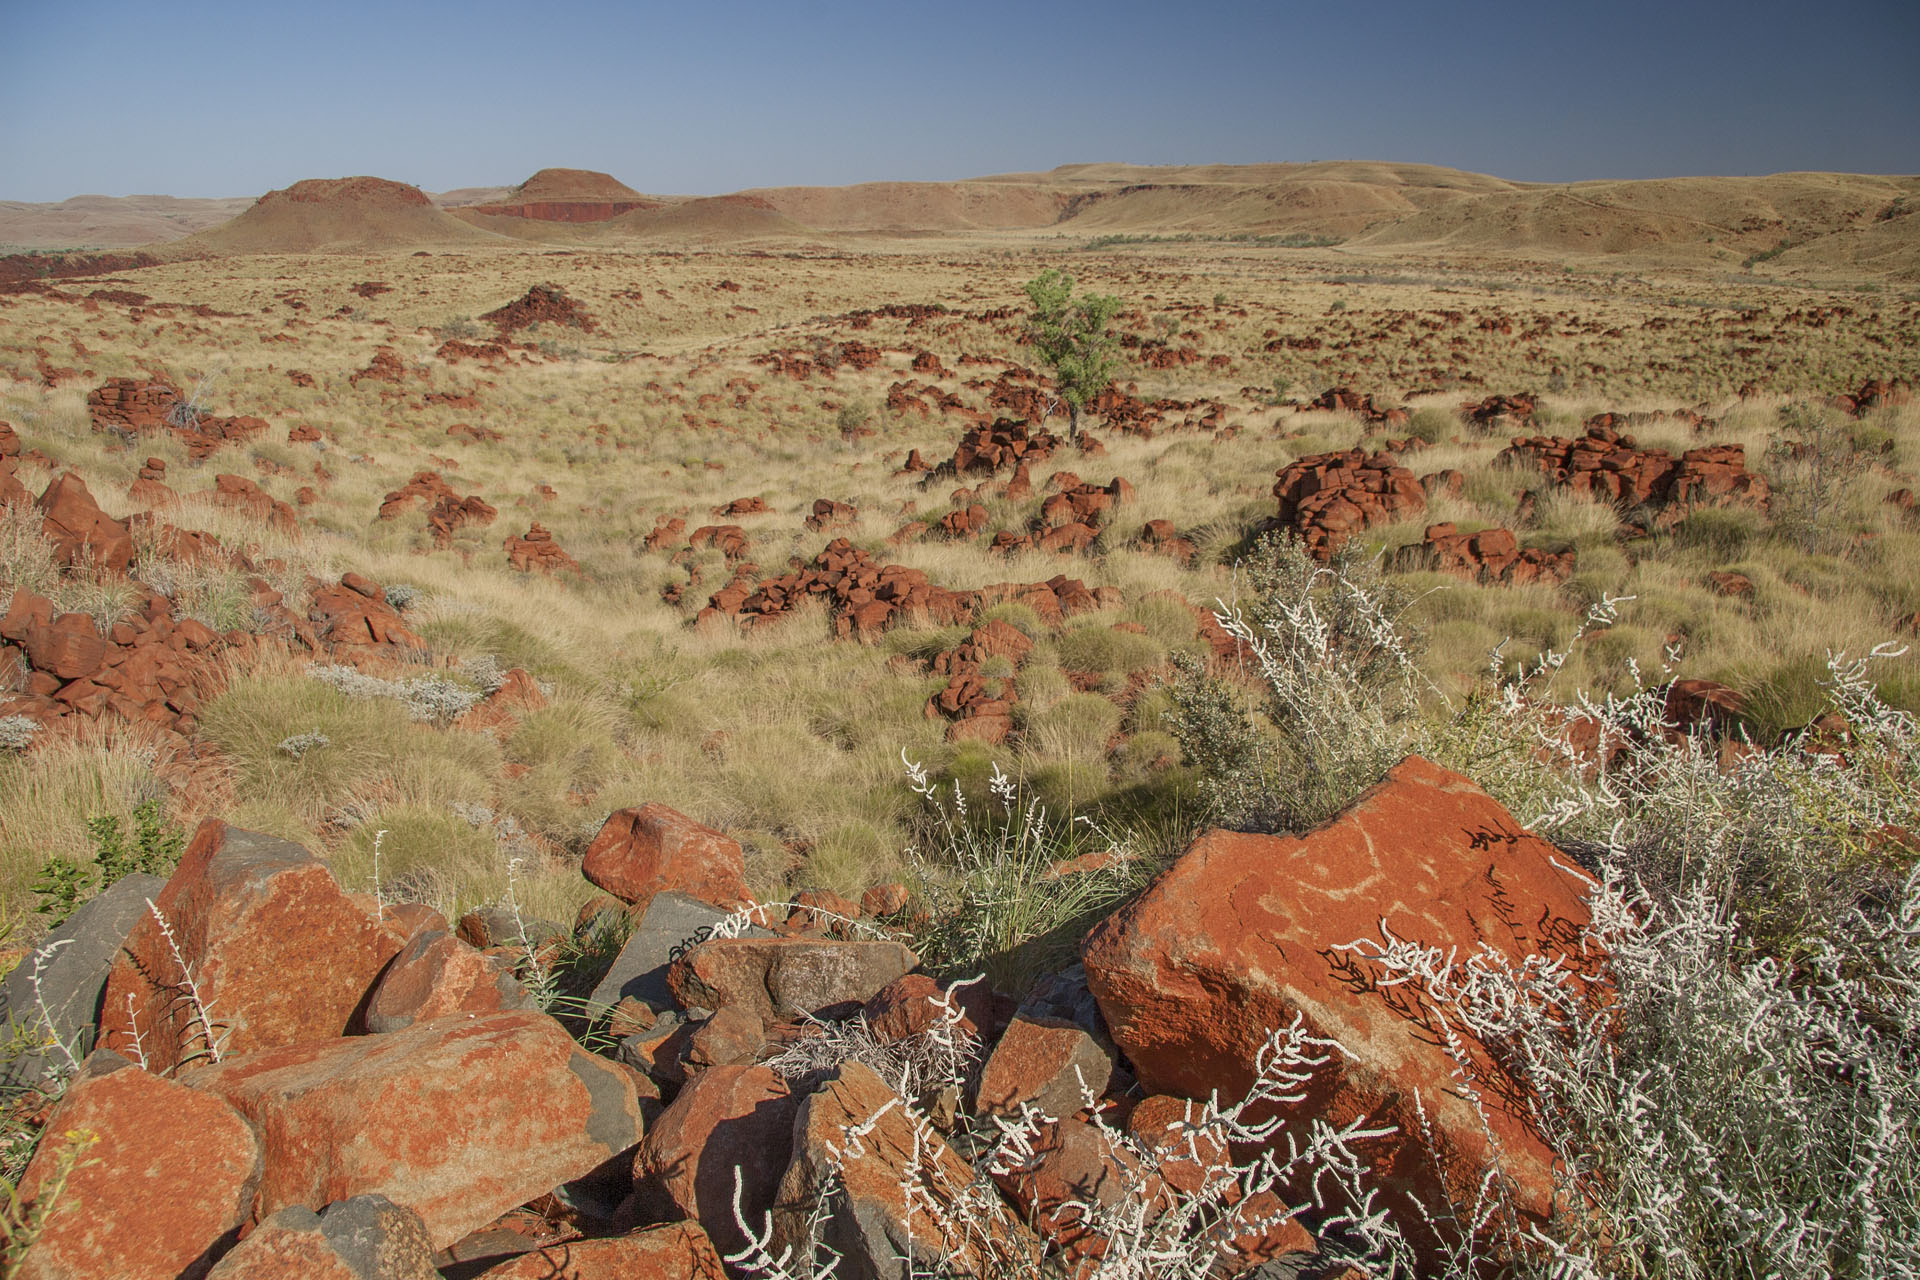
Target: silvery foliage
{"type": "Point", "coordinates": [1154, 1228]}
{"type": "Point", "coordinates": [17, 732]}
{"type": "Point", "coordinates": [297, 745]}
{"type": "Point", "coordinates": [1730, 1077]}
{"type": "Point", "coordinates": [432, 698]}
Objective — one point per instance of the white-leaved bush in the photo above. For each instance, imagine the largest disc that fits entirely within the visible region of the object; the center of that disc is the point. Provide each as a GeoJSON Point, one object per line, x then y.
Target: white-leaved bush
{"type": "Point", "coordinates": [1732, 1080]}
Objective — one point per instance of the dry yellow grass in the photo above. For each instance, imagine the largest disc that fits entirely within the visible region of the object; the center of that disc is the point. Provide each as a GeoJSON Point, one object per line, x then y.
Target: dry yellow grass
{"type": "Point", "coordinates": [782, 735]}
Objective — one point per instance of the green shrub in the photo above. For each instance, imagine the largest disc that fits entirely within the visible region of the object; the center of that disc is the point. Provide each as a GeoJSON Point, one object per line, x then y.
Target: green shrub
{"type": "Point", "coordinates": [1101, 648]}
{"type": "Point", "coordinates": [155, 850]}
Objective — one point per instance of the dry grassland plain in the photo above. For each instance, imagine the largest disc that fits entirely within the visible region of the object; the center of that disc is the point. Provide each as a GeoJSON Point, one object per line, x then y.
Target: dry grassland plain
{"type": "Point", "coordinates": [719, 370]}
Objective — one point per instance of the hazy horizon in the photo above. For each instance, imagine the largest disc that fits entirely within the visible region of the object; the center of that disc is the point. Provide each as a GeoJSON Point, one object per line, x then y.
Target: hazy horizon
{"type": "Point", "coordinates": [225, 100]}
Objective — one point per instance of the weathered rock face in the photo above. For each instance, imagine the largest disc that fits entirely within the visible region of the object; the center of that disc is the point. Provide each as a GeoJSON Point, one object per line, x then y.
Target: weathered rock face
{"type": "Point", "coordinates": [654, 849]}
{"type": "Point", "coordinates": [1245, 932]}
{"type": "Point", "coordinates": [1491, 555]}
{"type": "Point", "coordinates": [872, 1221]}
{"type": "Point", "coordinates": [460, 1118]}
{"type": "Point", "coordinates": [278, 952]}
{"type": "Point", "coordinates": [237, 493]}
{"type": "Point", "coordinates": [1044, 1062]}
{"type": "Point", "coordinates": [355, 612]}
{"type": "Point", "coordinates": [677, 1251]}
{"type": "Point", "coordinates": [135, 407]}
{"type": "Point", "coordinates": [639, 972]}
{"type": "Point", "coordinates": [725, 1118]}
{"type": "Point", "coordinates": [366, 1236]}
{"type": "Point", "coordinates": [1326, 498]}
{"type": "Point", "coordinates": [163, 1192]}
{"type": "Point", "coordinates": [1608, 465]}
{"type": "Point", "coordinates": [785, 977]}
{"type": "Point", "coordinates": [80, 531]}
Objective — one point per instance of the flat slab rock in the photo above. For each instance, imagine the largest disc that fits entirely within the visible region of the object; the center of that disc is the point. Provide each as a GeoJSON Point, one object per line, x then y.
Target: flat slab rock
{"type": "Point", "coordinates": [460, 1118]}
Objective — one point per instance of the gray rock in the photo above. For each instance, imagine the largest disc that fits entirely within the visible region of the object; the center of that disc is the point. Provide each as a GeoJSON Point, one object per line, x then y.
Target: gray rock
{"type": "Point", "coordinates": [369, 1237]}
{"type": "Point", "coordinates": [74, 959]}
{"type": "Point", "coordinates": [640, 971]}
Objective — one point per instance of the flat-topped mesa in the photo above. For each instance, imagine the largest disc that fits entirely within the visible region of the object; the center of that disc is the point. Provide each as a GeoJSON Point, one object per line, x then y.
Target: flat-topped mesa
{"type": "Point", "coordinates": [1326, 498]}
{"type": "Point", "coordinates": [568, 195]}
{"type": "Point", "coordinates": [1609, 465]}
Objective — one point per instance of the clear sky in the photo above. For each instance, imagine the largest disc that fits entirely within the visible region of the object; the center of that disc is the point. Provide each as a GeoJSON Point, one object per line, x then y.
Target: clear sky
{"type": "Point", "coordinates": [223, 98]}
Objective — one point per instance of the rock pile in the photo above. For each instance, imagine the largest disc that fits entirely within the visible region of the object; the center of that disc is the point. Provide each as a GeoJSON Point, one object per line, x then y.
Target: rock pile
{"type": "Point", "coordinates": [1002, 446]}
{"type": "Point", "coordinates": [538, 552]}
{"type": "Point", "coordinates": [979, 706]}
{"type": "Point", "coordinates": [133, 407]}
{"type": "Point", "coordinates": [866, 597]}
{"type": "Point", "coordinates": [1347, 400]}
{"type": "Point", "coordinates": [828, 514]}
{"type": "Point", "coordinates": [1496, 409]}
{"type": "Point", "coordinates": [1490, 556]}
{"type": "Point", "coordinates": [1872, 394]}
{"type": "Point", "coordinates": [447, 511]}
{"type": "Point", "coordinates": [1607, 465]}
{"type": "Point", "coordinates": [541, 304]}
{"type": "Point", "coordinates": [292, 1074]}
{"type": "Point", "coordinates": [1326, 498]}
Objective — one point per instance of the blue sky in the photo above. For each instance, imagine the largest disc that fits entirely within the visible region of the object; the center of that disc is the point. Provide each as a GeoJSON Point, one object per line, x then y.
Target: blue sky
{"type": "Point", "coordinates": [203, 99]}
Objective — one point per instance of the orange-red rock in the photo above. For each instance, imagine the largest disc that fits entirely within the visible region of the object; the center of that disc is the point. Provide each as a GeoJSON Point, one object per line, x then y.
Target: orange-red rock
{"type": "Point", "coordinates": [677, 1251]}
{"type": "Point", "coordinates": [460, 1118]}
{"type": "Point", "coordinates": [162, 1193]}
{"type": "Point", "coordinates": [1244, 933]}
{"type": "Point", "coordinates": [437, 974]}
{"type": "Point", "coordinates": [644, 851]}
{"type": "Point", "coordinates": [352, 1239]}
{"type": "Point", "coordinates": [727, 1118]}
{"type": "Point", "coordinates": [278, 950]}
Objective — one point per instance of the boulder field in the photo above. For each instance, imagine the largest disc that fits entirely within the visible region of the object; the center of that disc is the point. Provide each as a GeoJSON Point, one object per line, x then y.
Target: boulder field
{"type": "Point", "coordinates": [292, 1079]}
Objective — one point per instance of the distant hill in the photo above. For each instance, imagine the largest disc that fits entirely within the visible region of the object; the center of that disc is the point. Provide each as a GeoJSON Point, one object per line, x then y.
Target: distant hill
{"type": "Point", "coordinates": [1795, 223]}
{"type": "Point", "coordinates": [333, 215]}
{"type": "Point", "coordinates": [110, 222]}
{"type": "Point", "coordinates": [567, 195]}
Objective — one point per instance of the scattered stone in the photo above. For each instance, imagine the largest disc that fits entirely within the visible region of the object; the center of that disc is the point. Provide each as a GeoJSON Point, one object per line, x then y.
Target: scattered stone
{"type": "Point", "coordinates": [644, 851]}
{"type": "Point", "coordinates": [538, 551]}
{"type": "Point", "coordinates": [1489, 556]}
{"type": "Point", "coordinates": [1045, 1062]}
{"type": "Point", "coordinates": [1326, 498]}
{"type": "Point", "coordinates": [676, 1251]}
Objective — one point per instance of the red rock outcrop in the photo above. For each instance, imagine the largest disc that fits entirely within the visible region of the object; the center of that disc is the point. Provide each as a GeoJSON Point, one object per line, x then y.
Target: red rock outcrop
{"type": "Point", "coordinates": [1002, 446]}
{"type": "Point", "coordinates": [81, 533]}
{"type": "Point", "coordinates": [1607, 465]}
{"type": "Point", "coordinates": [459, 1118]}
{"type": "Point", "coordinates": [541, 304]}
{"type": "Point", "coordinates": [537, 551]}
{"type": "Point", "coordinates": [1496, 408]}
{"type": "Point", "coordinates": [1491, 555]}
{"type": "Point", "coordinates": [237, 493]}
{"type": "Point", "coordinates": [356, 613]}
{"type": "Point", "coordinates": [1326, 498]}
{"type": "Point", "coordinates": [828, 514]}
{"type": "Point", "coordinates": [275, 948]}
{"type": "Point", "coordinates": [1347, 400]}
{"type": "Point", "coordinates": [447, 511]}
{"type": "Point", "coordinates": [164, 1190]}
{"type": "Point", "coordinates": [1873, 393]}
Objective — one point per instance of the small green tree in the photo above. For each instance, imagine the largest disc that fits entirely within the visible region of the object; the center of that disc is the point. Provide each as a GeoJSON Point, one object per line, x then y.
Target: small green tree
{"type": "Point", "coordinates": [1071, 336]}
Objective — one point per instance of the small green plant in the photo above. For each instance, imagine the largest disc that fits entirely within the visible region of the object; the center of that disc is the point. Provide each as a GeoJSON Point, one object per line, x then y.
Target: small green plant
{"type": "Point", "coordinates": [1071, 334]}
{"type": "Point", "coordinates": [64, 884]}
{"type": "Point", "coordinates": [22, 1223]}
